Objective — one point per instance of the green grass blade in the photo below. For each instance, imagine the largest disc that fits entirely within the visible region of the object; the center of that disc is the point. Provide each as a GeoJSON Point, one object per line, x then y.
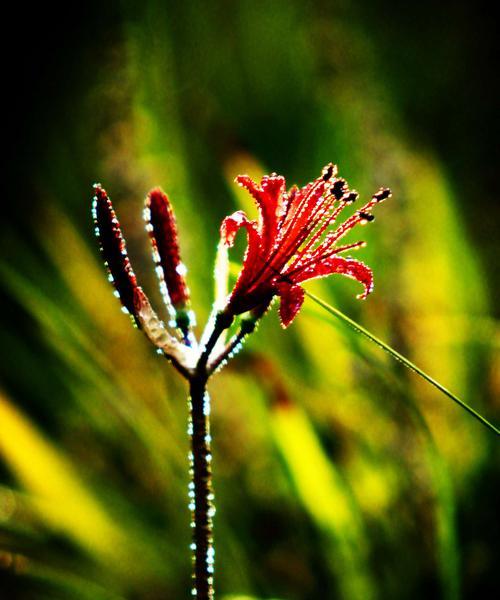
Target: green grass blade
{"type": "Point", "coordinates": [399, 357]}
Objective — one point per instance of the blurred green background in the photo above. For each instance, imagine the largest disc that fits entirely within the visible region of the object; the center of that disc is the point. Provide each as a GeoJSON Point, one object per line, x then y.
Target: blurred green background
{"type": "Point", "coordinates": [337, 473]}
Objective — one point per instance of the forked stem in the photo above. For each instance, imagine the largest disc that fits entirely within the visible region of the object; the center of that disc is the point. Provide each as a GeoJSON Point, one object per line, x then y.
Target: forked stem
{"type": "Point", "coordinates": [201, 497]}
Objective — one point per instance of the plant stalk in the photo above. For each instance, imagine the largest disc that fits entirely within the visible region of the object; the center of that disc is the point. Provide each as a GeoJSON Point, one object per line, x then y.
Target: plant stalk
{"type": "Point", "coordinates": [201, 496]}
{"type": "Point", "coordinates": [200, 490]}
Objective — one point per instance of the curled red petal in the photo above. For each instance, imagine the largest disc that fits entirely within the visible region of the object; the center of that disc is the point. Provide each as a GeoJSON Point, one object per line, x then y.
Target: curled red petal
{"type": "Point", "coordinates": [253, 259]}
{"type": "Point", "coordinates": [249, 184]}
{"type": "Point", "coordinates": [343, 266]}
{"type": "Point", "coordinates": [291, 300]}
{"type": "Point", "coordinates": [269, 198]}
{"type": "Point", "coordinates": [232, 224]}
{"type": "Point", "coordinates": [162, 229]}
{"type": "Point", "coordinates": [114, 249]}
{"type": "Point", "coordinates": [271, 201]}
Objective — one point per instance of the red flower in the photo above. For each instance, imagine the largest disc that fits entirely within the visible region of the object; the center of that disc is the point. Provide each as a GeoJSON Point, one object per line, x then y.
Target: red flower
{"type": "Point", "coordinates": [293, 241]}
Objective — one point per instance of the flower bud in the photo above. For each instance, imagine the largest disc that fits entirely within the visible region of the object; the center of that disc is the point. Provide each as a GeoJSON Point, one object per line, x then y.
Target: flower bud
{"type": "Point", "coordinates": [162, 229]}
{"type": "Point", "coordinates": [107, 229]}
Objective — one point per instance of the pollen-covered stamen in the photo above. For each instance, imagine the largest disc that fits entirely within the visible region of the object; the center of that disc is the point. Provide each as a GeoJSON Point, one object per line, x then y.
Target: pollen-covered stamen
{"type": "Point", "coordinates": [303, 265]}
{"type": "Point", "coordinates": [365, 217]}
{"type": "Point", "coordinates": [162, 228]}
{"type": "Point", "coordinates": [287, 206]}
{"type": "Point", "coordinates": [361, 217]}
{"type": "Point", "coordinates": [306, 256]}
{"type": "Point", "coordinates": [345, 247]}
{"type": "Point", "coordinates": [317, 228]}
{"type": "Point", "coordinates": [339, 188]}
{"type": "Point", "coordinates": [310, 195]}
{"type": "Point", "coordinates": [329, 215]}
{"type": "Point", "coordinates": [304, 220]}
{"type": "Point", "coordinates": [350, 197]}
{"type": "Point", "coordinates": [326, 221]}
{"type": "Point", "coordinates": [319, 216]}
{"type": "Point", "coordinates": [114, 250]}
{"type": "Point", "coordinates": [382, 194]}
{"type": "Point", "coordinates": [329, 171]}
{"type": "Point", "coordinates": [358, 217]}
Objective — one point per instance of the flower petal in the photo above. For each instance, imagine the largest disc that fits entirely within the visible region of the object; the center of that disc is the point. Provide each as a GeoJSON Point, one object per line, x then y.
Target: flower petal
{"type": "Point", "coordinates": [291, 300]}
{"type": "Point", "coordinates": [269, 198]}
{"type": "Point", "coordinates": [232, 224]}
{"type": "Point", "coordinates": [253, 259]}
{"type": "Point", "coordinates": [343, 266]}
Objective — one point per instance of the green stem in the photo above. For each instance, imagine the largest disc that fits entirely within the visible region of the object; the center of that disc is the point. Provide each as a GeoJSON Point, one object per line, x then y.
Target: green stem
{"type": "Point", "coordinates": [407, 363]}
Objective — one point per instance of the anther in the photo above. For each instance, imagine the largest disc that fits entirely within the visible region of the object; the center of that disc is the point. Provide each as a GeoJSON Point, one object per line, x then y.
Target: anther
{"type": "Point", "coordinates": [382, 194]}
{"type": "Point", "coordinates": [366, 217]}
{"type": "Point", "coordinates": [350, 197]}
{"type": "Point", "coordinates": [339, 188]}
{"type": "Point", "coordinates": [328, 171]}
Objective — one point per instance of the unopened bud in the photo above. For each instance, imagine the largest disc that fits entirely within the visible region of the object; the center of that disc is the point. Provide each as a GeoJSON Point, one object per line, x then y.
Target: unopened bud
{"type": "Point", "coordinates": [162, 229]}
{"type": "Point", "coordinates": [114, 250]}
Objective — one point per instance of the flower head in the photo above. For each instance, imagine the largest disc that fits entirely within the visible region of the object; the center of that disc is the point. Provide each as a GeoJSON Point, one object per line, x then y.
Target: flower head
{"type": "Point", "coordinates": [293, 240]}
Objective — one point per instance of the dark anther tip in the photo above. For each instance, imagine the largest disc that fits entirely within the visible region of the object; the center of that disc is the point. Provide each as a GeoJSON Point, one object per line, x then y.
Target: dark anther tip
{"type": "Point", "coordinates": [382, 194]}
{"type": "Point", "coordinates": [328, 172]}
{"type": "Point", "coordinates": [339, 188]}
{"type": "Point", "coordinates": [350, 197]}
{"type": "Point", "coordinates": [366, 216]}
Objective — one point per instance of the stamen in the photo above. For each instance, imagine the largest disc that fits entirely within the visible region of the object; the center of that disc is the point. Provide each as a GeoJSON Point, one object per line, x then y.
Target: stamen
{"type": "Point", "coordinates": [350, 197]}
{"type": "Point", "coordinates": [328, 172]}
{"type": "Point", "coordinates": [339, 188]}
{"type": "Point", "coordinates": [365, 217]}
{"type": "Point", "coordinates": [297, 267]}
{"type": "Point", "coordinates": [382, 194]}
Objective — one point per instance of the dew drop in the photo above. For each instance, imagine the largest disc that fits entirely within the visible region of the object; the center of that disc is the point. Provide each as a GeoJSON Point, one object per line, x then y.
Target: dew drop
{"type": "Point", "coordinates": [181, 269]}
